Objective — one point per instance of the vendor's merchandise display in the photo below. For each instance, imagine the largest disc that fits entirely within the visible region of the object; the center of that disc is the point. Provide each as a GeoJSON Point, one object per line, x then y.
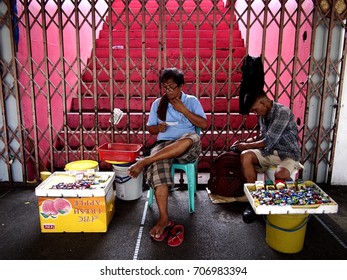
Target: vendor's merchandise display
{"type": "Point", "coordinates": [287, 205]}
{"type": "Point", "coordinates": [289, 197]}
{"type": "Point", "coordinates": [76, 201]}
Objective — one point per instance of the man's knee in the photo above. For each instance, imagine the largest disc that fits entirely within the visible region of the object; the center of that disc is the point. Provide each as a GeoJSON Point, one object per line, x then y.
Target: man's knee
{"type": "Point", "coordinates": [248, 157]}
{"type": "Point", "coordinates": [282, 174]}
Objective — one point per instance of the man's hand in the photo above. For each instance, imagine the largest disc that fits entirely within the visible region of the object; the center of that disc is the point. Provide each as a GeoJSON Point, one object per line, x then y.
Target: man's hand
{"type": "Point", "coordinates": [162, 127]}
{"type": "Point", "coordinates": [178, 105]}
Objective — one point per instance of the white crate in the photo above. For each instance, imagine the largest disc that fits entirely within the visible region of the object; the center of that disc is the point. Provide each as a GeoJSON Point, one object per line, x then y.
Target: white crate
{"type": "Point", "coordinates": [326, 208]}
{"type": "Point", "coordinates": [100, 189]}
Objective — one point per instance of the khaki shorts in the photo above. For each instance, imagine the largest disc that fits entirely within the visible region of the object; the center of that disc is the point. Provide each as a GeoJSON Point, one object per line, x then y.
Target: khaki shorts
{"type": "Point", "coordinates": [274, 160]}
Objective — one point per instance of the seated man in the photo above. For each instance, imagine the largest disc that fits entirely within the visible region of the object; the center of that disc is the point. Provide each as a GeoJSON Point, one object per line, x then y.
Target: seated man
{"type": "Point", "coordinates": [173, 117]}
{"type": "Point", "coordinates": [277, 146]}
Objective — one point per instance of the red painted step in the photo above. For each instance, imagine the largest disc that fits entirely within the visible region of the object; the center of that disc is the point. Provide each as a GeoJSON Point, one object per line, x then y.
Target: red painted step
{"type": "Point", "coordinates": [220, 138]}
{"type": "Point", "coordinates": [137, 34]}
{"type": "Point", "coordinates": [151, 89]}
{"type": "Point", "coordinates": [136, 104]}
{"type": "Point", "coordinates": [103, 63]}
{"type": "Point", "coordinates": [119, 89]}
{"type": "Point", "coordinates": [120, 43]}
{"type": "Point", "coordinates": [136, 121]}
{"type": "Point", "coordinates": [103, 76]}
{"type": "Point", "coordinates": [235, 121]}
{"type": "Point", "coordinates": [238, 52]}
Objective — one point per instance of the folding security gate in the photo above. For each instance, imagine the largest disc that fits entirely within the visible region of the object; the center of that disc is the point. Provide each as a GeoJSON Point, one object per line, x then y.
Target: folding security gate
{"type": "Point", "coordinates": [65, 65]}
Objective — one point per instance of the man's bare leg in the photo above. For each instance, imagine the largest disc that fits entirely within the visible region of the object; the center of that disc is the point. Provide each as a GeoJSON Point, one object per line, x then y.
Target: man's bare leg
{"type": "Point", "coordinates": [248, 160]}
{"type": "Point", "coordinates": [173, 150]}
{"type": "Point", "coordinates": [161, 196]}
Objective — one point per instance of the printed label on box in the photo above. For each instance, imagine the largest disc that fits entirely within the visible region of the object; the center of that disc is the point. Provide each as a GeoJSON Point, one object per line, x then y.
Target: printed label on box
{"type": "Point", "coordinates": [74, 214]}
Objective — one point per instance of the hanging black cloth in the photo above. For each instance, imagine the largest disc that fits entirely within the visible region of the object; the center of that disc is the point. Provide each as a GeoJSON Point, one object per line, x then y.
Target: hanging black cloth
{"type": "Point", "coordinates": [252, 82]}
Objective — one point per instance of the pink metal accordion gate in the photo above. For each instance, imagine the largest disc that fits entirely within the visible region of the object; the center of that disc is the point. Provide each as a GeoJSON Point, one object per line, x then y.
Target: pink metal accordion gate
{"type": "Point", "coordinates": [73, 62]}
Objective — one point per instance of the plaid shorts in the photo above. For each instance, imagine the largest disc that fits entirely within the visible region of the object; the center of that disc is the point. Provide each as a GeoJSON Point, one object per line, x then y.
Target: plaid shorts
{"type": "Point", "coordinates": [159, 173]}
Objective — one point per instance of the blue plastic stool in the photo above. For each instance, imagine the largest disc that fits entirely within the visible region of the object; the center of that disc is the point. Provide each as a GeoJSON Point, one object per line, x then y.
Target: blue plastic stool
{"type": "Point", "coordinates": [191, 171]}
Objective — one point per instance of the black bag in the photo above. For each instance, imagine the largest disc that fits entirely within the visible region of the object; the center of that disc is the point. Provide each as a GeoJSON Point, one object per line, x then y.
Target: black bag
{"type": "Point", "coordinates": [226, 177]}
{"type": "Point", "coordinates": [252, 82]}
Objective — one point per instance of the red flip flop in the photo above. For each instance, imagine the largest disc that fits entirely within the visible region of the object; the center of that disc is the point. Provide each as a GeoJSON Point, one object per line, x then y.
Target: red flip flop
{"type": "Point", "coordinates": [176, 237]}
{"type": "Point", "coordinates": [165, 232]}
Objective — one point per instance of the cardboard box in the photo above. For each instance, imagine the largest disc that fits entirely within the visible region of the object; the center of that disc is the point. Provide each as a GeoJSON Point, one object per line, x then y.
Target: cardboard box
{"type": "Point", "coordinates": [325, 208]}
{"type": "Point", "coordinates": [76, 210]}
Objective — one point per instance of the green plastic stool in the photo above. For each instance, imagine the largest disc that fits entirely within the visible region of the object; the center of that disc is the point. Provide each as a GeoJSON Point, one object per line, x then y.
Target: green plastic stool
{"type": "Point", "coordinates": [191, 171]}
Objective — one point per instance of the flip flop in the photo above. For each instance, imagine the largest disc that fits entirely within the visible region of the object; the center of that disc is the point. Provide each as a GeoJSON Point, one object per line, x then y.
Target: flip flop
{"type": "Point", "coordinates": [176, 237]}
{"type": "Point", "coordinates": [165, 232]}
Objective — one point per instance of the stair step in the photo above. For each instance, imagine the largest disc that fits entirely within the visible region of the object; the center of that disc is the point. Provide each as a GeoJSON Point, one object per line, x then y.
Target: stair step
{"type": "Point", "coordinates": [187, 34]}
{"type": "Point", "coordinates": [103, 76]}
{"type": "Point", "coordinates": [103, 63]}
{"type": "Point", "coordinates": [152, 88]}
{"type": "Point", "coordinates": [170, 53]}
{"type": "Point", "coordinates": [220, 104]}
{"type": "Point", "coordinates": [171, 24]}
{"type": "Point", "coordinates": [170, 43]}
{"type": "Point", "coordinates": [137, 121]}
{"type": "Point", "coordinates": [103, 88]}
{"type": "Point", "coordinates": [218, 137]}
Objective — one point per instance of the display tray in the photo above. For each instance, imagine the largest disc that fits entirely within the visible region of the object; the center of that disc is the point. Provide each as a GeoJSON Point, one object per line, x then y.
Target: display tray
{"type": "Point", "coordinates": [263, 209]}
{"type": "Point", "coordinates": [99, 186]}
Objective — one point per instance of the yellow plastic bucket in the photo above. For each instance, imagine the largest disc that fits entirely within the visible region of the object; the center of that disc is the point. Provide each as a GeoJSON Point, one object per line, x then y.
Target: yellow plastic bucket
{"type": "Point", "coordinates": [286, 233]}
{"type": "Point", "coordinates": [44, 175]}
{"type": "Point", "coordinates": [82, 165]}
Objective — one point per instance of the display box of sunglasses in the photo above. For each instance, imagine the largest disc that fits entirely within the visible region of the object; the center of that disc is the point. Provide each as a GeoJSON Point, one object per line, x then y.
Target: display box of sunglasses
{"type": "Point", "coordinates": [309, 199]}
{"type": "Point", "coordinates": [76, 202]}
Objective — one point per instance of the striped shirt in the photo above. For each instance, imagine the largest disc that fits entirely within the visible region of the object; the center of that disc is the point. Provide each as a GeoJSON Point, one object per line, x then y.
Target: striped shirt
{"type": "Point", "coordinates": [280, 132]}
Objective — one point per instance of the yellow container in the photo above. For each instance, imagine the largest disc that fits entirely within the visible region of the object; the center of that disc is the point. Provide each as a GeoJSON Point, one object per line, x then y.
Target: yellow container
{"type": "Point", "coordinates": [44, 175]}
{"type": "Point", "coordinates": [286, 233]}
{"type": "Point", "coordinates": [82, 165]}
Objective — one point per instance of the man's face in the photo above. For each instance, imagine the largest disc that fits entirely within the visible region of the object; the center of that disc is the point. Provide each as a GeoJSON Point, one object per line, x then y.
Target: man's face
{"type": "Point", "coordinates": [259, 107]}
{"type": "Point", "coordinates": [171, 89]}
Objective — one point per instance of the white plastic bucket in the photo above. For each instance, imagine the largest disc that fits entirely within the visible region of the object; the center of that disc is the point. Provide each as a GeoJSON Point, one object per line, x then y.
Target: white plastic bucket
{"type": "Point", "coordinates": [127, 188]}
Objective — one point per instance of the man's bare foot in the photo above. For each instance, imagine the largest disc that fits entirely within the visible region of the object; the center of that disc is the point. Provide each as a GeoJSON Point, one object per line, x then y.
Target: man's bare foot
{"type": "Point", "coordinates": [135, 169]}
{"type": "Point", "coordinates": [159, 228]}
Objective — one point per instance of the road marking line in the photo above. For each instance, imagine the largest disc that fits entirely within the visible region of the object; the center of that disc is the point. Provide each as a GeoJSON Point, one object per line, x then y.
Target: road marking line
{"type": "Point", "coordinates": [331, 232]}
{"type": "Point", "coordinates": [139, 236]}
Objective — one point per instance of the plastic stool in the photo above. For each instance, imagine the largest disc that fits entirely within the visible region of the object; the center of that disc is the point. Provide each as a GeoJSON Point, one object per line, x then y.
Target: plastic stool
{"type": "Point", "coordinates": [191, 171]}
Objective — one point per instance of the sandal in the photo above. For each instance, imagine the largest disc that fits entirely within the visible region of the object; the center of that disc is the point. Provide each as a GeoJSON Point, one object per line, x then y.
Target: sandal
{"type": "Point", "coordinates": [165, 232]}
{"type": "Point", "coordinates": [176, 237]}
